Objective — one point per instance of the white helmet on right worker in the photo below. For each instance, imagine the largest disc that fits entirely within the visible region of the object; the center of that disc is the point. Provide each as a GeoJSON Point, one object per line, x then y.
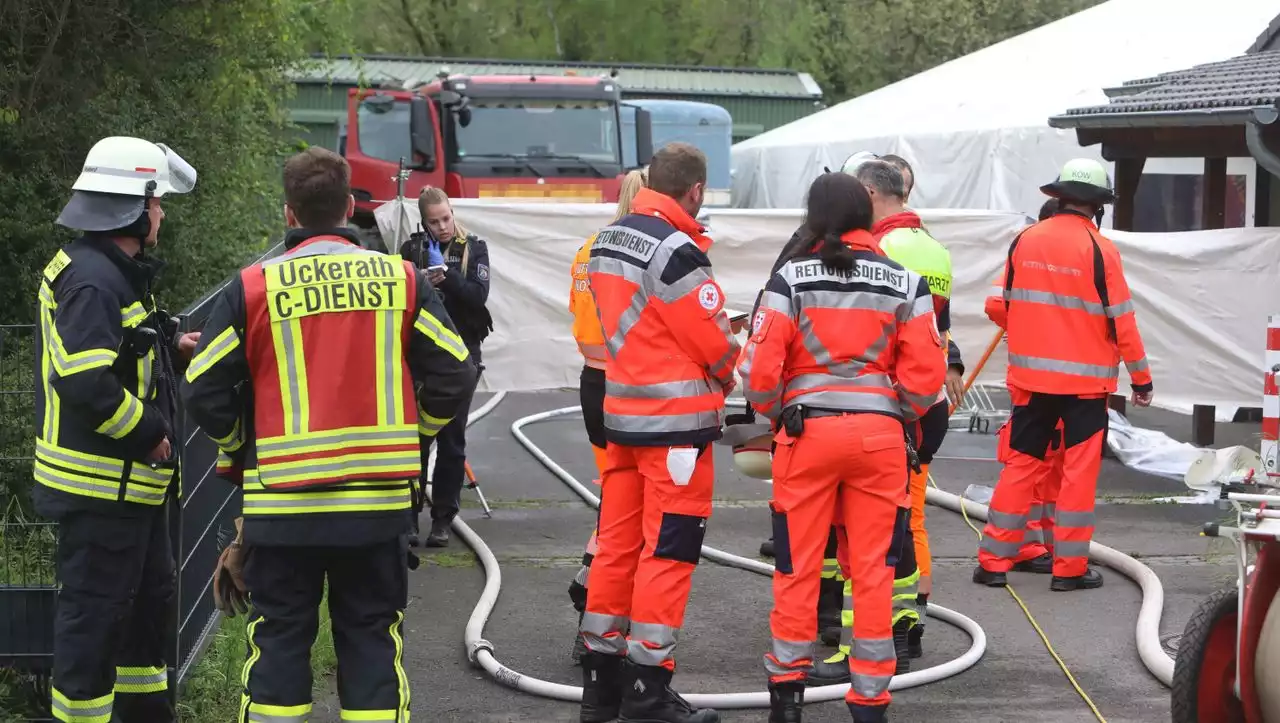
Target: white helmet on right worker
{"type": "Point", "coordinates": [1083, 180]}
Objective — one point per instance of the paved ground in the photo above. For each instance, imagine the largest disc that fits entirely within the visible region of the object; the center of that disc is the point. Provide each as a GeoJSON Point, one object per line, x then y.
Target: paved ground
{"type": "Point", "coordinates": [539, 527]}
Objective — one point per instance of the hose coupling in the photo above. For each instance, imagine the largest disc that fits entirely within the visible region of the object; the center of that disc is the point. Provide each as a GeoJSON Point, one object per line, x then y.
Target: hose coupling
{"type": "Point", "coordinates": [474, 653]}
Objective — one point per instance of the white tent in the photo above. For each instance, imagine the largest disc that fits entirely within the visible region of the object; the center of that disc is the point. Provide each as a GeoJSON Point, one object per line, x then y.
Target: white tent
{"type": "Point", "coordinates": [975, 128]}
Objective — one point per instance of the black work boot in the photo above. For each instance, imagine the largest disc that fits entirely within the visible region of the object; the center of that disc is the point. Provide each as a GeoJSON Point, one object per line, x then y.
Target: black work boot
{"type": "Point", "coordinates": [1042, 565]}
{"type": "Point", "coordinates": [830, 606]}
{"type": "Point", "coordinates": [1088, 581]}
{"type": "Point", "coordinates": [601, 687]}
{"type": "Point", "coordinates": [869, 713]}
{"type": "Point", "coordinates": [766, 548]}
{"type": "Point", "coordinates": [901, 630]}
{"type": "Point", "coordinates": [785, 702]}
{"type": "Point", "coordinates": [439, 535]}
{"type": "Point", "coordinates": [983, 576]}
{"type": "Point", "coordinates": [414, 540]}
{"type": "Point", "coordinates": [832, 671]}
{"type": "Point", "coordinates": [647, 697]}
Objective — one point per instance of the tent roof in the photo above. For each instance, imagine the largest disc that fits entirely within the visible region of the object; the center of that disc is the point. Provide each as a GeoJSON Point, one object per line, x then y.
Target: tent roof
{"type": "Point", "coordinates": [1022, 81]}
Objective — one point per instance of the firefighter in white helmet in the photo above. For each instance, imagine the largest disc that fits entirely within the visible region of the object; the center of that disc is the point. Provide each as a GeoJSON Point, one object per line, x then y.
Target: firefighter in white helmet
{"type": "Point", "coordinates": [106, 450]}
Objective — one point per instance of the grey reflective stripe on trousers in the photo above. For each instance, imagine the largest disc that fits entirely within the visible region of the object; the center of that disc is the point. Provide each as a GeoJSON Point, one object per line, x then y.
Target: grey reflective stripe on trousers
{"type": "Point", "coordinates": [651, 643]}
{"type": "Point", "coordinates": [869, 686]}
{"type": "Point", "coordinates": [1040, 364]}
{"type": "Point", "coordinates": [1000, 549]}
{"type": "Point", "coordinates": [875, 650]}
{"type": "Point", "coordinates": [1070, 548]}
{"type": "Point", "coordinates": [1005, 520]}
{"type": "Point", "coordinates": [604, 633]}
{"type": "Point", "coordinates": [1076, 519]}
{"type": "Point", "coordinates": [140, 680]}
{"type": "Point", "coordinates": [1062, 301]}
{"type": "Point", "coordinates": [789, 656]}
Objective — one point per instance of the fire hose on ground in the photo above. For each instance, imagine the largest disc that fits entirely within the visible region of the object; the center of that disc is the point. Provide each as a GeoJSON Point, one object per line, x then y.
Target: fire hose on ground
{"type": "Point", "coordinates": [481, 651]}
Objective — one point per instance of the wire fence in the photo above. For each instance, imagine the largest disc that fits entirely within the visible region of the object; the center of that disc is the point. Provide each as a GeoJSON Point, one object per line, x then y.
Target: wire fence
{"type": "Point", "coordinates": [202, 526]}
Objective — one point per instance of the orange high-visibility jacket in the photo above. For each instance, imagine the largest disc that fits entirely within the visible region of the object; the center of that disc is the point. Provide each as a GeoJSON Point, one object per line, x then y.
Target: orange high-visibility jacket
{"type": "Point", "coordinates": [671, 353]}
{"type": "Point", "coordinates": [586, 324]}
{"type": "Point", "coordinates": [1070, 315]}
{"type": "Point", "coordinates": [865, 340]}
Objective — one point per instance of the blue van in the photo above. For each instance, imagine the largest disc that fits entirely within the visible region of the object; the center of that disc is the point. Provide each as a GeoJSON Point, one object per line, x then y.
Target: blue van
{"type": "Point", "coordinates": [705, 125]}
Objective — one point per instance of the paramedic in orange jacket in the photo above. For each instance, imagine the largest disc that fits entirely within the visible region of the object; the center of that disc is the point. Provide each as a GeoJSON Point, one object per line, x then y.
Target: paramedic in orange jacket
{"type": "Point", "coordinates": [586, 330]}
{"type": "Point", "coordinates": [1036, 554]}
{"type": "Point", "coordinates": [1070, 321]}
{"type": "Point", "coordinates": [844, 349]}
{"type": "Point", "coordinates": [671, 357]}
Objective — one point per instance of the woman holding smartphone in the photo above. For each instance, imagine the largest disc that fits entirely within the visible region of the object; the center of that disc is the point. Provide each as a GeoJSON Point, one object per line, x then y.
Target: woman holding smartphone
{"type": "Point", "coordinates": [457, 265]}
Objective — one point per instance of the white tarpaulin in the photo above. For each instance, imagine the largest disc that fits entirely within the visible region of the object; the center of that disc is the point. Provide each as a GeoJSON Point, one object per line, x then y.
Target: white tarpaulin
{"type": "Point", "coordinates": [1202, 297]}
{"type": "Point", "coordinates": [976, 128]}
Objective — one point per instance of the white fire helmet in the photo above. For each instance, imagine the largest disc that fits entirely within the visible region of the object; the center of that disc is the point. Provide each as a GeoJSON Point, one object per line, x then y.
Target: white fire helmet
{"type": "Point", "coordinates": [119, 175]}
{"type": "Point", "coordinates": [853, 162]}
{"type": "Point", "coordinates": [751, 449]}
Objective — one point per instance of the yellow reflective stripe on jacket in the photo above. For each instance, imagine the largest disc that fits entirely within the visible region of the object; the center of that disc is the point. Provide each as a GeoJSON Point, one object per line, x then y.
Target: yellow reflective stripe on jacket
{"type": "Point", "coordinates": [291, 368]}
{"type": "Point", "coordinates": [429, 426]}
{"type": "Point", "coordinates": [335, 440]}
{"type": "Point", "coordinates": [388, 366]}
{"type": "Point", "coordinates": [64, 363]}
{"type": "Point", "coordinates": [124, 420]}
{"type": "Point", "coordinates": [444, 338]}
{"type": "Point", "coordinates": [222, 345]}
{"type": "Point", "coordinates": [346, 497]}
{"type": "Point", "coordinates": [232, 442]}
{"type": "Point", "coordinates": [94, 710]}
{"type": "Point", "coordinates": [338, 454]}
{"type": "Point", "coordinates": [132, 315]}
{"type": "Point", "coordinates": [96, 476]}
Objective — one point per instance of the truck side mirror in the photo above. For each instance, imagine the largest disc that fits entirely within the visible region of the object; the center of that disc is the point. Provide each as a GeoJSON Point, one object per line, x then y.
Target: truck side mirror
{"type": "Point", "coordinates": [422, 132]}
{"type": "Point", "coordinates": [644, 138]}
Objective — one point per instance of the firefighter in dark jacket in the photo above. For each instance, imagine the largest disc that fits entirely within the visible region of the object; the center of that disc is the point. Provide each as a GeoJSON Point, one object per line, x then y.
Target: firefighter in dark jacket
{"type": "Point", "coordinates": [457, 264]}
{"type": "Point", "coordinates": [316, 374]}
{"type": "Point", "coordinates": [106, 441]}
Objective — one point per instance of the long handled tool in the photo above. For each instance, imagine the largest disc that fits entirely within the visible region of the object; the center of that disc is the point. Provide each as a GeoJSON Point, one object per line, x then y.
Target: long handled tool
{"type": "Point", "coordinates": [473, 485]}
{"type": "Point", "coordinates": [973, 375]}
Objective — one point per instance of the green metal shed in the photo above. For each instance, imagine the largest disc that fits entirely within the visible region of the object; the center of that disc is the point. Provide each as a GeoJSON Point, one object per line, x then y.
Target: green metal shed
{"type": "Point", "coordinates": [757, 99]}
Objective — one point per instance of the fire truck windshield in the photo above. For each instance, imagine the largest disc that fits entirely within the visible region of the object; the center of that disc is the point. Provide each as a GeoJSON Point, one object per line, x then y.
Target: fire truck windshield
{"type": "Point", "coordinates": [529, 128]}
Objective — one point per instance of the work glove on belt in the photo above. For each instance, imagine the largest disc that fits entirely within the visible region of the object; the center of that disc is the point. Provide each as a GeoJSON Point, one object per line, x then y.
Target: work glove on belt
{"type": "Point", "coordinates": [229, 594]}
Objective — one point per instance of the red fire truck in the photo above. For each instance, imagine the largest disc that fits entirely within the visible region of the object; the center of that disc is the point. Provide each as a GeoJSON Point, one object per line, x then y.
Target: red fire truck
{"type": "Point", "coordinates": [548, 138]}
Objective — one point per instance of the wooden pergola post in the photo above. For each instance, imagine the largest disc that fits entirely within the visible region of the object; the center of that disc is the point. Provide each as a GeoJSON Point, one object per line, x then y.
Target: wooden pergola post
{"type": "Point", "coordinates": [1128, 173]}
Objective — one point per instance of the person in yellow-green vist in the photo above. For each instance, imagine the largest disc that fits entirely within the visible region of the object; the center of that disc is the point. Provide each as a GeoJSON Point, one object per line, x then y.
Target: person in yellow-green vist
{"type": "Point", "coordinates": [106, 438]}
{"type": "Point", "coordinates": [317, 374]}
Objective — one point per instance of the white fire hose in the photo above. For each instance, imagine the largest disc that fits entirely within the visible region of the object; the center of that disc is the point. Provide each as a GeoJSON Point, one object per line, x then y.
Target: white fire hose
{"type": "Point", "coordinates": [481, 652]}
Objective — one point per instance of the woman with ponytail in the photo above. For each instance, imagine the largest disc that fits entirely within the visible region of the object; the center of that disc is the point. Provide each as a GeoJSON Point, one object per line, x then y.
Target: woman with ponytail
{"type": "Point", "coordinates": [590, 338]}
{"type": "Point", "coordinates": [844, 350]}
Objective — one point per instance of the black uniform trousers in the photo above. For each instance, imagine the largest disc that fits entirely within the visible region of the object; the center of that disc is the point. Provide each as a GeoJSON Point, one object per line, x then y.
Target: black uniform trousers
{"type": "Point", "coordinates": [114, 627]}
{"type": "Point", "coordinates": [368, 592]}
{"type": "Point", "coordinates": [451, 458]}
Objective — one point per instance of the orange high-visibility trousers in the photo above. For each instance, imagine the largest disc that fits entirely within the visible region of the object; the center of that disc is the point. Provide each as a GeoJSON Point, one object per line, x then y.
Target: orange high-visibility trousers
{"type": "Point", "coordinates": [655, 502]}
{"type": "Point", "coordinates": [1031, 430]}
{"type": "Point", "coordinates": [1038, 539]}
{"type": "Point", "coordinates": [859, 460]}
